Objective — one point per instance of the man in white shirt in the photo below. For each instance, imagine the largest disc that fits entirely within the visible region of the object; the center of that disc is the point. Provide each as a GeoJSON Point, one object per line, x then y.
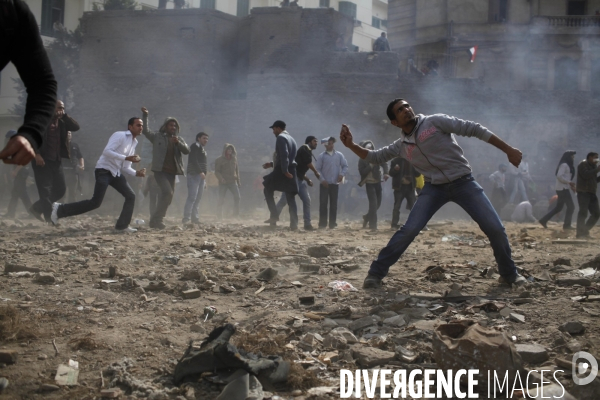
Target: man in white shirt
{"type": "Point", "coordinates": [115, 161]}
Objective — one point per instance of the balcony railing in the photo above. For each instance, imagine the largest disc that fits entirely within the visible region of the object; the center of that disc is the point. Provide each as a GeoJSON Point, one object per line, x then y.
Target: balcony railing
{"type": "Point", "coordinates": [569, 21]}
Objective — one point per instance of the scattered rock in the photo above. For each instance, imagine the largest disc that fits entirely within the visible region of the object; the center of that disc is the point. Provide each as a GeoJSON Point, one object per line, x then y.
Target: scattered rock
{"type": "Point", "coordinates": [10, 267]}
{"type": "Point", "coordinates": [570, 281]}
{"type": "Point", "coordinates": [267, 274]}
{"type": "Point", "coordinates": [396, 321]}
{"type": "Point", "coordinates": [309, 268]}
{"type": "Point", "coordinates": [46, 387]}
{"type": "Point", "coordinates": [362, 323]}
{"type": "Point", "coordinates": [319, 251]}
{"type": "Point", "coordinates": [572, 327]}
{"type": "Point", "coordinates": [368, 357]}
{"type": "Point", "coordinates": [44, 278]}
{"type": "Point", "coordinates": [111, 393]}
{"type": "Point", "coordinates": [562, 261]}
{"type": "Point", "coordinates": [517, 317]}
{"type": "Point", "coordinates": [532, 353]}
{"type": "Point", "coordinates": [191, 294]}
{"type": "Point", "coordinates": [8, 356]}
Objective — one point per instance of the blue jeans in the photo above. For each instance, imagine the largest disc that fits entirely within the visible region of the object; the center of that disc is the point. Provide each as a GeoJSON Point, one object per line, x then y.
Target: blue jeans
{"type": "Point", "coordinates": [304, 196]}
{"type": "Point", "coordinates": [195, 185]}
{"type": "Point", "coordinates": [518, 187]}
{"type": "Point", "coordinates": [470, 196]}
{"type": "Point", "coordinates": [104, 179]}
{"type": "Point", "coordinates": [235, 191]}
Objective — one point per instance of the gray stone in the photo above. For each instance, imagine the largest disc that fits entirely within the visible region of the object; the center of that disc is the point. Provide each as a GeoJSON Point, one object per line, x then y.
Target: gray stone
{"type": "Point", "coordinates": [517, 317]}
{"type": "Point", "coordinates": [44, 277]}
{"type": "Point", "coordinates": [349, 336]}
{"type": "Point", "coordinates": [505, 312]}
{"type": "Point", "coordinates": [309, 268]}
{"type": "Point", "coordinates": [387, 314]}
{"type": "Point", "coordinates": [417, 313]}
{"type": "Point", "coordinates": [362, 323]}
{"type": "Point", "coordinates": [267, 274]}
{"type": "Point", "coordinates": [329, 324]}
{"type": "Point", "coordinates": [8, 356]}
{"type": "Point", "coordinates": [532, 353]}
{"type": "Point", "coordinates": [191, 294]}
{"type": "Point", "coordinates": [570, 281]}
{"type": "Point", "coordinates": [562, 261]}
{"type": "Point", "coordinates": [396, 321]}
{"type": "Point", "coordinates": [368, 357]}
{"type": "Point", "coordinates": [573, 327]}
{"type": "Point", "coordinates": [10, 267]}
{"type": "Point", "coordinates": [318, 251]}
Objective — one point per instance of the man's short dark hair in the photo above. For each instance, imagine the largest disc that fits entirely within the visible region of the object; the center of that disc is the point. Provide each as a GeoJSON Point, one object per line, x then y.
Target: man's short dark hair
{"type": "Point", "coordinates": [591, 154]}
{"type": "Point", "coordinates": [131, 121]}
{"type": "Point", "coordinates": [198, 136]}
{"type": "Point", "coordinates": [390, 109]}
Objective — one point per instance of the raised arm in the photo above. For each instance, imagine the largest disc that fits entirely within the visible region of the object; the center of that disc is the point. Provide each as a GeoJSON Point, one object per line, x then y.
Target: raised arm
{"type": "Point", "coordinates": [146, 131]}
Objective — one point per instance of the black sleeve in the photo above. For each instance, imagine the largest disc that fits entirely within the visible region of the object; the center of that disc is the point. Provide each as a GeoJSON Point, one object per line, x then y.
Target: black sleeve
{"type": "Point", "coordinates": [30, 58]}
{"type": "Point", "coordinates": [304, 156]}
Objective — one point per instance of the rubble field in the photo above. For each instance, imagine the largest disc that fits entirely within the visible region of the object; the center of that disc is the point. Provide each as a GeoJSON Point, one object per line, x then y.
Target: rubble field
{"type": "Point", "coordinates": [88, 313]}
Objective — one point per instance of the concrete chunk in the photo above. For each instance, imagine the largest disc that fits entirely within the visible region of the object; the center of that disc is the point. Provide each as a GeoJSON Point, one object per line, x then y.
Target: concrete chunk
{"type": "Point", "coordinates": [8, 356]}
{"type": "Point", "coordinates": [361, 323]}
{"type": "Point", "coordinates": [532, 353]}
{"type": "Point", "coordinates": [191, 294]}
{"type": "Point", "coordinates": [368, 357]}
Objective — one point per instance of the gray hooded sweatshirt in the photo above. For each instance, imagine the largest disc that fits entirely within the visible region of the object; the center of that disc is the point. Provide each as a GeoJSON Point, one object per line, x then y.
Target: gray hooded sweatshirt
{"type": "Point", "coordinates": [432, 148]}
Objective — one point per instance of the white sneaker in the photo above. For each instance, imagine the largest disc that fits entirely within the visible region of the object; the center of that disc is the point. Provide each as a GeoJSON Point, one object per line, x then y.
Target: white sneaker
{"type": "Point", "coordinates": [127, 230]}
{"type": "Point", "coordinates": [54, 215]}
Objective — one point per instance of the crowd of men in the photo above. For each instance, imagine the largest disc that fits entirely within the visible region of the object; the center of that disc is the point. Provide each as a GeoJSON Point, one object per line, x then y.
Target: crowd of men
{"type": "Point", "coordinates": [426, 146]}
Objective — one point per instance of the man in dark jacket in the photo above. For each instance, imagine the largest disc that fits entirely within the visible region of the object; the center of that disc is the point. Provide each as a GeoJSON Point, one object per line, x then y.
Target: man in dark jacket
{"type": "Point", "coordinates": [196, 174]}
{"type": "Point", "coordinates": [403, 182]}
{"type": "Point", "coordinates": [304, 159]}
{"type": "Point", "coordinates": [47, 166]}
{"type": "Point", "coordinates": [370, 177]}
{"type": "Point", "coordinates": [21, 44]}
{"type": "Point", "coordinates": [283, 178]}
{"type": "Point", "coordinates": [167, 163]}
{"type": "Point", "coordinates": [72, 168]}
{"type": "Point", "coordinates": [587, 185]}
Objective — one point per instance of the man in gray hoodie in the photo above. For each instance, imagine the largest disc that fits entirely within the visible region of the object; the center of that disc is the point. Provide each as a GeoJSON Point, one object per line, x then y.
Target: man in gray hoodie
{"type": "Point", "coordinates": [167, 163]}
{"type": "Point", "coordinates": [428, 143]}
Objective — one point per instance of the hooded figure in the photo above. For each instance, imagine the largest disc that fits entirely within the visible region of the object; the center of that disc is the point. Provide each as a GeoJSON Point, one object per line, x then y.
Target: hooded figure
{"type": "Point", "coordinates": [167, 162]}
{"type": "Point", "coordinates": [226, 166]}
{"type": "Point", "coordinates": [226, 170]}
{"type": "Point", "coordinates": [370, 176]}
{"type": "Point", "coordinates": [160, 140]}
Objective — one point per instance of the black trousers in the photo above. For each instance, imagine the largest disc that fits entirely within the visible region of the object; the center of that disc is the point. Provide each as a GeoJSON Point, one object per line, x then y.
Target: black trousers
{"type": "Point", "coordinates": [405, 192]}
{"type": "Point", "coordinates": [166, 186]}
{"type": "Point", "coordinates": [51, 187]}
{"type": "Point", "coordinates": [328, 195]}
{"type": "Point", "coordinates": [564, 198]}
{"type": "Point", "coordinates": [587, 202]}
{"type": "Point", "coordinates": [19, 191]}
{"type": "Point", "coordinates": [374, 197]}
{"type": "Point", "coordinates": [104, 179]}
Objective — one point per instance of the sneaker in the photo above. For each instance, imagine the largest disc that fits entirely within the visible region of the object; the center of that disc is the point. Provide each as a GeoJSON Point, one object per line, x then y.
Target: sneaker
{"type": "Point", "coordinates": [195, 221]}
{"type": "Point", "coordinates": [127, 230]}
{"type": "Point", "coordinates": [309, 228]}
{"type": "Point", "coordinates": [365, 222]}
{"type": "Point", "coordinates": [544, 224]}
{"type": "Point", "coordinates": [372, 282]}
{"type": "Point", "coordinates": [568, 228]}
{"type": "Point", "coordinates": [519, 280]}
{"type": "Point", "coordinates": [293, 228]}
{"type": "Point", "coordinates": [185, 221]}
{"type": "Point", "coordinates": [54, 215]}
{"type": "Point", "coordinates": [271, 221]}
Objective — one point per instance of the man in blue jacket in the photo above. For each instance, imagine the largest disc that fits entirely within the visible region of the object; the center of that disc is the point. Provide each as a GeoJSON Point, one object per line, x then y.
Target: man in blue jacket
{"type": "Point", "coordinates": [283, 178]}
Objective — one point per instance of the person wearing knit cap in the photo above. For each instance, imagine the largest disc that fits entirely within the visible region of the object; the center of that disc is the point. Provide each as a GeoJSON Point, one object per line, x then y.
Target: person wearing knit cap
{"type": "Point", "coordinates": [167, 162]}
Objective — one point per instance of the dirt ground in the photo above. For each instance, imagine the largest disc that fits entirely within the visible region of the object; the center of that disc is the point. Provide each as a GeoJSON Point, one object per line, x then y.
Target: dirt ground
{"type": "Point", "coordinates": [99, 319]}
